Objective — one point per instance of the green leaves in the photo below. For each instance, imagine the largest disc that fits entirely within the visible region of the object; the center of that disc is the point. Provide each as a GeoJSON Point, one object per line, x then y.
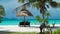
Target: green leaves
{"type": "Point", "coordinates": [38, 18]}
{"type": "Point", "coordinates": [46, 20]}
{"type": "Point", "coordinates": [47, 14]}
{"type": "Point", "coordinates": [2, 11]}
{"type": "Point", "coordinates": [49, 0]}
{"type": "Point", "coordinates": [21, 1]}
{"type": "Point", "coordinates": [57, 31]}
{"type": "Point", "coordinates": [1, 19]}
{"type": "Point", "coordinates": [36, 4]}
{"type": "Point", "coordinates": [31, 1]}
{"type": "Point", "coordinates": [58, 4]}
{"type": "Point", "coordinates": [53, 4]}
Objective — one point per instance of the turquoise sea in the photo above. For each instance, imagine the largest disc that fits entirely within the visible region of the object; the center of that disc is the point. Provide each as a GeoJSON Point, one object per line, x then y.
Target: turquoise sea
{"type": "Point", "coordinates": [32, 22]}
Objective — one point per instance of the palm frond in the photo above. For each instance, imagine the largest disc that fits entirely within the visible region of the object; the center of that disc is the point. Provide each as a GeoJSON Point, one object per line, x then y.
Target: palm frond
{"type": "Point", "coordinates": [49, 0]}
{"type": "Point", "coordinates": [53, 4]}
{"type": "Point", "coordinates": [25, 4]}
{"type": "Point", "coordinates": [47, 13]}
{"type": "Point", "coordinates": [38, 18]}
{"type": "Point", "coordinates": [36, 4]}
{"type": "Point", "coordinates": [2, 11]}
{"type": "Point", "coordinates": [21, 1]}
{"type": "Point", "coordinates": [58, 4]}
{"type": "Point", "coordinates": [31, 1]}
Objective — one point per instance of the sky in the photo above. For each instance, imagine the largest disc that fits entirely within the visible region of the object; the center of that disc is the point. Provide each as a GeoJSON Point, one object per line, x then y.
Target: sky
{"type": "Point", "coordinates": [10, 5]}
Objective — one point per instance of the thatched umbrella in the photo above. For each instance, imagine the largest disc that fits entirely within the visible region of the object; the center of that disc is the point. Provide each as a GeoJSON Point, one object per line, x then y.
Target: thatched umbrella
{"type": "Point", "coordinates": [24, 13]}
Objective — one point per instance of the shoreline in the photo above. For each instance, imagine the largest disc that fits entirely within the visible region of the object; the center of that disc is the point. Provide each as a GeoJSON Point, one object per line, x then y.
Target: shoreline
{"type": "Point", "coordinates": [30, 25]}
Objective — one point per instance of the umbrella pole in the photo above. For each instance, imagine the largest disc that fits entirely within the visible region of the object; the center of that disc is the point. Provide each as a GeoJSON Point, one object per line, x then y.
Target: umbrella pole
{"type": "Point", "coordinates": [24, 21]}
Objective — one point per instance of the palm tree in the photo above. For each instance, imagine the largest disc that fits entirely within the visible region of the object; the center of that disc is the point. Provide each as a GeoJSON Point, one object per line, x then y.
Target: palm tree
{"type": "Point", "coordinates": [40, 4]}
{"type": "Point", "coordinates": [2, 12]}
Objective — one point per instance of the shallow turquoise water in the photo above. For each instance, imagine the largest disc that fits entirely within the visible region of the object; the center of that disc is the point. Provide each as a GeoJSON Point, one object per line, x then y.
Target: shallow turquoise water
{"type": "Point", "coordinates": [32, 22]}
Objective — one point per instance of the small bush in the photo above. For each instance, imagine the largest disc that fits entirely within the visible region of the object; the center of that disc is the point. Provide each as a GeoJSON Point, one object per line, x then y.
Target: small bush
{"type": "Point", "coordinates": [56, 32]}
{"type": "Point", "coordinates": [47, 32]}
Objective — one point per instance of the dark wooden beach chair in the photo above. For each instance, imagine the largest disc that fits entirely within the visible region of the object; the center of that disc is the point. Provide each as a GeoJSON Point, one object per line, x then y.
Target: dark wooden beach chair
{"type": "Point", "coordinates": [27, 24]}
{"type": "Point", "coordinates": [21, 24]}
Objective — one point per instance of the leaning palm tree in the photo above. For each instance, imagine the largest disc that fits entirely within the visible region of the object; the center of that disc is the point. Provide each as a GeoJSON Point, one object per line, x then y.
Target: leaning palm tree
{"type": "Point", "coordinates": [2, 12]}
{"type": "Point", "coordinates": [40, 4]}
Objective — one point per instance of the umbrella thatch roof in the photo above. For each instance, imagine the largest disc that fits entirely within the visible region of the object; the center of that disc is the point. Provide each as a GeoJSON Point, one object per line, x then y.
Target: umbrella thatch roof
{"type": "Point", "coordinates": [24, 12]}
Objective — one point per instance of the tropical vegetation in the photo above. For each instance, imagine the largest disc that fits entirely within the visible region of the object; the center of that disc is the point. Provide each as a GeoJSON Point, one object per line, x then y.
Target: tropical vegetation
{"type": "Point", "coordinates": [2, 12]}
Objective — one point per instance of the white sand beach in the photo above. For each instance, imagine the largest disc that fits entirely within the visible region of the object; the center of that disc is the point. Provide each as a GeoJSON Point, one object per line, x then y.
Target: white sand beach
{"type": "Point", "coordinates": [16, 28]}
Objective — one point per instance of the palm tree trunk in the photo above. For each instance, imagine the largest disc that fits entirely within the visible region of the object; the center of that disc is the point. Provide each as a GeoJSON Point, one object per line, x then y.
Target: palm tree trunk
{"type": "Point", "coordinates": [24, 21]}
{"type": "Point", "coordinates": [47, 18]}
{"type": "Point", "coordinates": [43, 17]}
{"type": "Point", "coordinates": [42, 22]}
{"type": "Point", "coordinates": [42, 6]}
{"type": "Point", "coordinates": [41, 26]}
{"type": "Point", "coordinates": [40, 30]}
